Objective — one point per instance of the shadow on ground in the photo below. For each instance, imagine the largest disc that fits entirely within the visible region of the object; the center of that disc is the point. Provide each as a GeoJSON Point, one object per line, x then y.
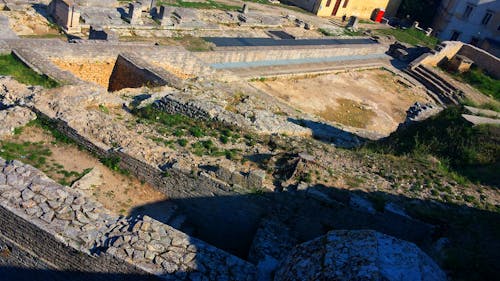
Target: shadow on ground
{"type": "Point", "coordinates": [465, 241]}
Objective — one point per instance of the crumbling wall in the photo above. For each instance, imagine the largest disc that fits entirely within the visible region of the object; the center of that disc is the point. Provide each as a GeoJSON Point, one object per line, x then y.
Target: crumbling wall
{"type": "Point", "coordinates": [195, 194]}
{"type": "Point", "coordinates": [74, 233]}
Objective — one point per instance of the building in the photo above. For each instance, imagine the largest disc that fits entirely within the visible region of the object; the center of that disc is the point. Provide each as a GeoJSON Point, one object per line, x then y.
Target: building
{"type": "Point", "coordinates": [339, 8]}
{"type": "Point", "coordinates": [476, 22]}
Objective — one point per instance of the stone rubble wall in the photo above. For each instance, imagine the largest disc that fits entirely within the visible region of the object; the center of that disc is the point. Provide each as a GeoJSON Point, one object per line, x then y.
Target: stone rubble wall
{"type": "Point", "coordinates": [196, 193]}
{"type": "Point", "coordinates": [73, 232]}
{"type": "Point", "coordinates": [198, 109]}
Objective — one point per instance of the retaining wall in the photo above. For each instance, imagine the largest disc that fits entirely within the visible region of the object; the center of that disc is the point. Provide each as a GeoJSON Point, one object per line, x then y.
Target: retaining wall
{"type": "Point", "coordinates": [208, 203]}
{"type": "Point", "coordinates": [132, 72]}
{"type": "Point", "coordinates": [276, 53]}
{"type": "Point", "coordinates": [74, 233]}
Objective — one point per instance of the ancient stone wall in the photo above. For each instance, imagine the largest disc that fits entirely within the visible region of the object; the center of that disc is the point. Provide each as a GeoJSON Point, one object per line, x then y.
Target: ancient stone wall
{"type": "Point", "coordinates": [194, 192]}
{"type": "Point", "coordinates": [129, 74]}
{"type": "Point", "coordinates": [287, 53]}
{"type": "Point", "coordinates": [482, 59]}
{"type": "Point", "coordinates": [74, 233]}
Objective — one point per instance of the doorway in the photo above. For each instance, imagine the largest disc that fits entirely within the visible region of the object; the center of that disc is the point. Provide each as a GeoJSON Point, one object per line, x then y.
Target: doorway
{"type": "Point", "coordinates": [336, 8]}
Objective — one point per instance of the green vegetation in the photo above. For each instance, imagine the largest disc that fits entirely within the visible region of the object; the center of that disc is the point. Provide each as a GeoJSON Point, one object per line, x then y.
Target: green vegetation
{"type": "Point", "coordinates": [489, 105]}
{"type": "Point", "coordinates": [11, 66]}
{"type": "Point", "coordinates": [174, 127]}
{"type": "Point", "coordinates": [37, 154]}
{"type": "Point", "coordinates": [113, 163]}
{"type": "Point", "coordinates": [194, 44]}
{"type": "Point", "coordinates": [209, 4]}
{"type": "Point", "coordinates": [50, 126]}
{"type": "Point", "coordinates": [411, 36]}
{"type": "Point", "coordinates": [465, 152]}
{"type": "Point", "coordinates": [481, 81]}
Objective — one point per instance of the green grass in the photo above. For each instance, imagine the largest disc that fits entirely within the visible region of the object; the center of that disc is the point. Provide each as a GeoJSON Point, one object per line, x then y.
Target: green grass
{"type": "Point", "coordinates": [411, 36]}
{"type": "Point", "coordinates": [11, 66]}
{"type": "Point", "coordinates": [209, 4]}
{"type": "Point", "coordinates": [489, 105]}
{"type": "Point", "coordinates": [481, 81]}
{"type": "Point", "coordinates": [465, 152]}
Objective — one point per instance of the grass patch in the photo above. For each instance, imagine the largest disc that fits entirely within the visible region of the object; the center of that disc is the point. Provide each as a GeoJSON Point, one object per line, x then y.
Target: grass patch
{"type": "Point", "coordinates": [113, 163]}
{"type": "Point", "coordinates": [465, 152]}
{"type": "Point", "coordinates": [482, 82]}
{"type": "Point", "coordinates": [209, 4]}
{"type": "Point", "coordinates": [11, 66]}
{"type": "Point", "coordinates": [411, 36]}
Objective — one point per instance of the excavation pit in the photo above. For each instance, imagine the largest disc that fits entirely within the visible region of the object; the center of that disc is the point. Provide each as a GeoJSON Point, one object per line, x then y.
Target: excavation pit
{"type": "Point", "coordinates": [372, 100]}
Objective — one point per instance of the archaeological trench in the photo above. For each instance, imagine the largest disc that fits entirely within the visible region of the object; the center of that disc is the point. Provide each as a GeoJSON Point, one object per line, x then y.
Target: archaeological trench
{"type": "Point", "coordinates": [222, 216]}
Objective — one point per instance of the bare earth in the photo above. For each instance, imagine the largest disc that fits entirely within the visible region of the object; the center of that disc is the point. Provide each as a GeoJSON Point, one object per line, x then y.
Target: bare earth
{"type": "Point", "coordinates": [370, 99]}
{"type": "Point", "coordinates": [117, 192]}
{"type": "Point", "coordinates": [86, 69]}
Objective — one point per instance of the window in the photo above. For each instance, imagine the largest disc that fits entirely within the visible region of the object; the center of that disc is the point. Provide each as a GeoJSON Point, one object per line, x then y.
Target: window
{"type": "Point", "coordinates": [468, 11]}
{"type": "Point", "coordinates": [455, 35]}
{"type": "Point", "coordinates": [345, 3]}
{"type": "Point", "coordinates": [487, 17]}
{"type": "Point", "coordinates": [328, 3]}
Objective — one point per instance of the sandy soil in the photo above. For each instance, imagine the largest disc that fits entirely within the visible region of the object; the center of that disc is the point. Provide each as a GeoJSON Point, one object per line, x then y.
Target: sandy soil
{"type": "Point", "coordinates": [31, 23]}
{"type": "Point", "coordinates": [118, 193]}
{"type": "Point", "coordinates": [176, 71]}
{"type": "Point", "coordinates": [370, 99]}
{"type": "Point", "coordinates": [92, 71]}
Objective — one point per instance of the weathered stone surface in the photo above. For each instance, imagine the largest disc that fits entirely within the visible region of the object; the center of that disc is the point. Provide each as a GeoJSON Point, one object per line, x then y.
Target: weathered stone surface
{"type": "Point", "coordinates": [358, 255]}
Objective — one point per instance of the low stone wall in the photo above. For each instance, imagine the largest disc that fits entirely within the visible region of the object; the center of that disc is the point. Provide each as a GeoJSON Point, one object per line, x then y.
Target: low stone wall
{"type": "Point", "coordinates": [276, 53]}
{"type": "Point", "coordinates": [74, 233]}
{"type": "Point", "coordinates": [208, 203]}
{"type": "Point", "coordinates": [43, 66]}
{"type": "Point", "coordinates": [177, 104]}
{"type": "Point", "coordinates": [482, 59]}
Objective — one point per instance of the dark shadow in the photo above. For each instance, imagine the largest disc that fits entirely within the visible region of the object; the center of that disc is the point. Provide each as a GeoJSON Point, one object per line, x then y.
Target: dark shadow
{"type": "Point", "coordinates": [230, 223]}
{"type": "Point", "coordinates": [14, 273]}
{"type": "Point", "coordinates": [42, 10]}
{"type": "Point", "coordinates": [330, 134]}
{"type": "Point", "coordinates": [123, 13]}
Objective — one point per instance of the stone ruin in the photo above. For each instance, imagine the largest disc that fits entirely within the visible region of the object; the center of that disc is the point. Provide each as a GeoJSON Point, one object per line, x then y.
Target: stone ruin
{"type": "Point", "coordinates": [66, 14]}
{"type": "Point", "coordinates": [64, 226]}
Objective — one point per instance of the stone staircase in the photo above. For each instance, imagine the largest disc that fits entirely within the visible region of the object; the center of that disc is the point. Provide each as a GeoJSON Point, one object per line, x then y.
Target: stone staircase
{"type": "Point", "coordinates": [441, 90]}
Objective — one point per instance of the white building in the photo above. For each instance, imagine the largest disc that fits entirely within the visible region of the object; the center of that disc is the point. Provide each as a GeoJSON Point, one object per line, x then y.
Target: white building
{"type": "Point", "coordinates": [476, 22]}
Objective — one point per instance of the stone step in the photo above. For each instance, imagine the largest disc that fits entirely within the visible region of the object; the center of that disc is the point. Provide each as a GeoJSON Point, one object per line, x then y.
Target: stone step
{"type": "Point", "coordinates": [436, 80]}
{"type": "Point", "coordinates": [438, 77]}
{"type": "Point", "coordinates": [431, 90]}
{"type": "Point", "coordinates": [442, 95]}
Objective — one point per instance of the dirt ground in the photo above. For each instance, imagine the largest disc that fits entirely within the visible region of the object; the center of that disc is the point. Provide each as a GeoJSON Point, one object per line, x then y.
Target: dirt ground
{"type": "Point", "coordinates": [369, 99]}
{"type": "Point", "coordinates": [97, 72]}
{"type": "Point", "coordinates": [118, 193]}
{"type": "Point", "coordinates": [30, 23]}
